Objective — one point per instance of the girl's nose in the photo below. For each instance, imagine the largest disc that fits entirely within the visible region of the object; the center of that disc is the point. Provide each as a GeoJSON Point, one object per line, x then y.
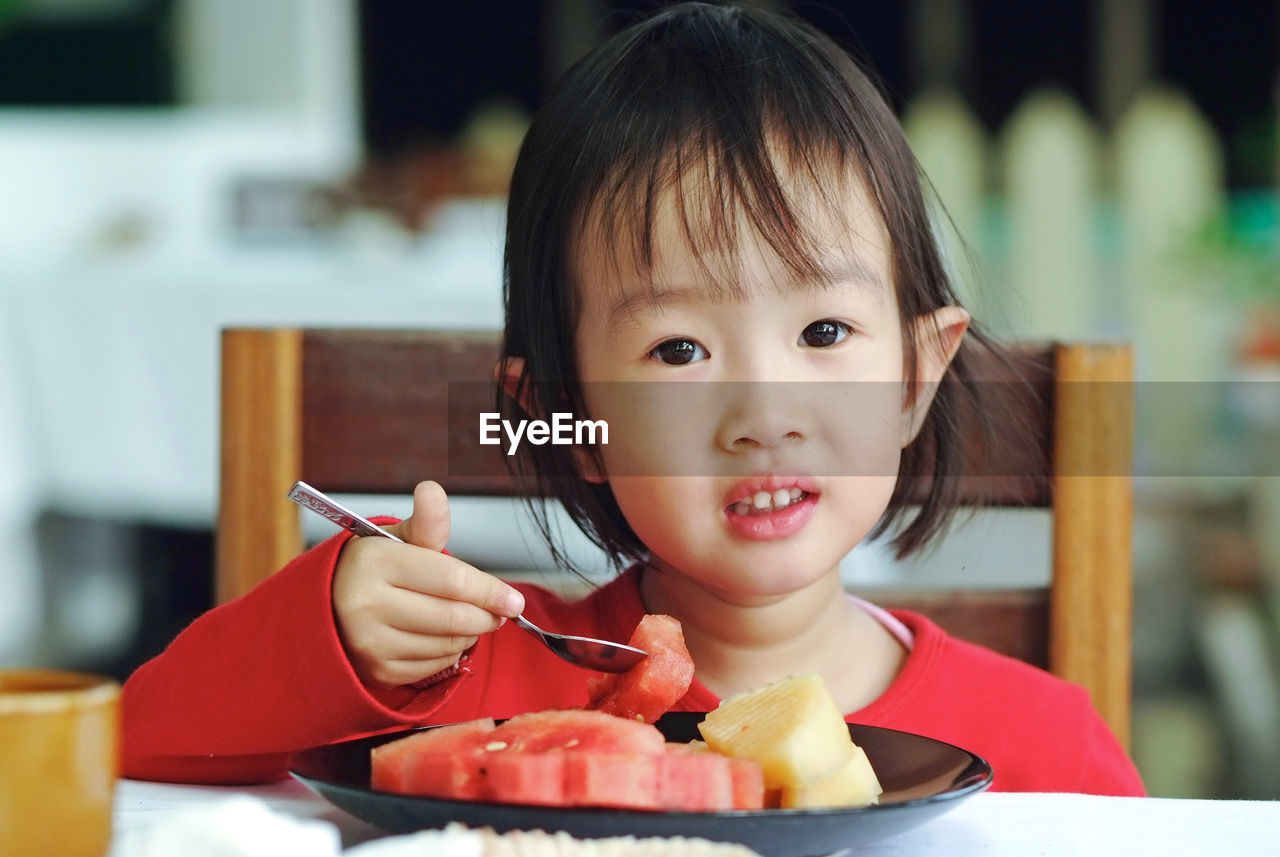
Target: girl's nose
{"type": "Point", "coordinates": [760, 415]}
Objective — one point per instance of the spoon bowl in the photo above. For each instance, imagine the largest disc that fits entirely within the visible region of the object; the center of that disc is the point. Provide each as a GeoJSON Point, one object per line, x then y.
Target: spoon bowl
{"type": "Point", "coordinates": [585, 652]}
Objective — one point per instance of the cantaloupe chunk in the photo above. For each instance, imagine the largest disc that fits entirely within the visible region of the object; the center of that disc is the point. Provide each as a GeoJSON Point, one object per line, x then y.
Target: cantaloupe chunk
{"type": "Point", "coordinates": [853, 785]}
{"type": "Point", "coordinates": [792, 727]}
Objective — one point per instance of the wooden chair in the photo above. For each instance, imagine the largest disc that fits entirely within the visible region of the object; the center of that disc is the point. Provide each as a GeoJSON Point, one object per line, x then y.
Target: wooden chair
{"type": "Point", "coordinates": [369, 411]}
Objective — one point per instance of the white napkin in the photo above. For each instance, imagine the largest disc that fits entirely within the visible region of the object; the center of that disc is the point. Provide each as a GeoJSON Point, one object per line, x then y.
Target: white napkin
{"type": "Point", "coordinates": [237, 826]}
{"type": "Point", "coordinates": [246, 826]}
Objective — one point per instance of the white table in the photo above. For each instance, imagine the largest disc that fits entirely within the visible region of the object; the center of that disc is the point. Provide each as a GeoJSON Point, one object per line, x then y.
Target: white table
{"type": "Point", "coordinates": [988, 824]}
{"type": "Point", "coordinates": [141, 803]}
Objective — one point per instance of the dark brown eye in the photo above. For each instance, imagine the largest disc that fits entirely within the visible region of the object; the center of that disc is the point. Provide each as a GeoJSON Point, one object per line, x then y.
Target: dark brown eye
{"type": "Point", "coordinates": [825, 333]}
{"type": "Point", "coordinates": [678, 352]}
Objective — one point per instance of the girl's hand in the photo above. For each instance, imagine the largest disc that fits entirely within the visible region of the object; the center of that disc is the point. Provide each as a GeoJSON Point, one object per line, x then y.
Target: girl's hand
{"type": "Point", "coordinates": [407, 611]}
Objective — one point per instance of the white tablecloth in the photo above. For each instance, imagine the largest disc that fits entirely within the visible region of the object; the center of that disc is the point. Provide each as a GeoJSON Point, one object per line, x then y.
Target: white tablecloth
{"type": "Point", "coordinates": [990, 824]}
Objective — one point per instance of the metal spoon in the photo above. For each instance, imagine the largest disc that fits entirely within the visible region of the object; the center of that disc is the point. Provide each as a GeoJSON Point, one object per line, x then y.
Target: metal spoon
{"type": "Point", "coordinates": [584, 652]}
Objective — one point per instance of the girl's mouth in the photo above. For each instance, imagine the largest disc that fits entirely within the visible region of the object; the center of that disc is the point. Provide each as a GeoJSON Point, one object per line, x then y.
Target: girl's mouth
{"type": "Point", "coordinates": [764, 502]}
{"type": "Point", "coordinates": [770, 508]}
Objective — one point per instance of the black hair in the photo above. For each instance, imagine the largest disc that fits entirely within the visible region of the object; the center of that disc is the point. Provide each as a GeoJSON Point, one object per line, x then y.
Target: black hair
{"type": "Point", "coordinates": [707, 92]}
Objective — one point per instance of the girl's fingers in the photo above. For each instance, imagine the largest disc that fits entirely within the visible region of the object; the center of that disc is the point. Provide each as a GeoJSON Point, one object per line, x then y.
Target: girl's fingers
{"type": "Point", "coordinates": [428, 526]}
{"type": "Point", "coordinates": [403, 646]}
{"type": "Point", "coordinates": [452, 579]}
{"type": "Point", "coordinates": [416, 613]}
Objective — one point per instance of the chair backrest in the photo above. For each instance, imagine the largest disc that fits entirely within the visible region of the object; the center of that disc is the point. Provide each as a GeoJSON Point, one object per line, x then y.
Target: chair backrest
{"type": "Point", "coordinates": [375, 411]}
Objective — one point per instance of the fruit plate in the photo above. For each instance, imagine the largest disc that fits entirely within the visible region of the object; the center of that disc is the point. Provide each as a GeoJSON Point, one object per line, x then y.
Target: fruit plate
{"type": "Point", "coordinates": [922, 778]}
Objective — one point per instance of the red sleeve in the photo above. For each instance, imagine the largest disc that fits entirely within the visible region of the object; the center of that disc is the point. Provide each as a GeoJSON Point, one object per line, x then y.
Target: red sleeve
{"type": "Point", "coordinates": [253, 680]}
{"type": "Point", "coordinates": [1046, 736]}
{"type": "Point", "coordinates": [1107, 769]}
{"type": "Point", "coordinates": [1038, 732]}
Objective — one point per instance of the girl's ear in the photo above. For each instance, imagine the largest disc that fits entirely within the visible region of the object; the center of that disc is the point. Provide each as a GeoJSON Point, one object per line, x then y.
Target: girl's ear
{"type": "Point", "coordinates": [509, 375]}
{"type": "Point", "coordinates": [937, 335]}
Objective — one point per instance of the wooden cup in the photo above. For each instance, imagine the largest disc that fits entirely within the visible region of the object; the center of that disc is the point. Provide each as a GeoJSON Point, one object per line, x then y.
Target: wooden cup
{"type": "Point", "coordinates": [59, 759]}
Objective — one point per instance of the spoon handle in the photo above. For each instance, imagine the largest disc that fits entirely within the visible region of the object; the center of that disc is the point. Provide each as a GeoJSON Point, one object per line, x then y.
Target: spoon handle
{"type": "Point", "coordinates": [304, 495]}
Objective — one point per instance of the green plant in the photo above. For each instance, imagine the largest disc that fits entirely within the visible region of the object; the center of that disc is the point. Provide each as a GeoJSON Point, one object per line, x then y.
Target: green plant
{"type": "Point", "coordinates": [1239, 249]}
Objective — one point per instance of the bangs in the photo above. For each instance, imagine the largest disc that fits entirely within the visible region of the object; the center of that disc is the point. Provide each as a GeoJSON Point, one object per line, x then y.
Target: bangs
{"type": "Point", "coordinates": [719, 133]}
{"type": "Point", "coordinates": [718, 193]}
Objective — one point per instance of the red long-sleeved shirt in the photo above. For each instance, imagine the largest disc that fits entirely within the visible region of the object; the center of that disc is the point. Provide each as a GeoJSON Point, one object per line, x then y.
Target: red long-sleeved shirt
{"type": "Point", "coordinates": [253, 680]}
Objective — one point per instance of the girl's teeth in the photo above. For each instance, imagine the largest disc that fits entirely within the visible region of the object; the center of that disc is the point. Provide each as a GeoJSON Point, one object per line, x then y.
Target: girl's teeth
{"type": "Point", "coordinates": [767, 501]}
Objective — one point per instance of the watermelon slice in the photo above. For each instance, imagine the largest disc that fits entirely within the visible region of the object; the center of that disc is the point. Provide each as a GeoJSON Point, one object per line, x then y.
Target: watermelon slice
{"type": "Point", "coordinates": [608, 754]}
{"type": "Point", "coordinates": [391, 763]}
{"type": "Point", "coordinates": [747, 779]}
{"type": "Point", "coordinates": [695, 782]}
{"type": "Point", "coordinates": [566, 758]}
{"type": "Point", "coordinates": [649, 689]}
{"type": "Point", "coordinates": [575, 729]}
{"type": "Point", "coordinates": [536, 778]}
{"type": "Point", "coordinates": [456, 775]}
{"type": "Point", "coordinates": [625, 780]}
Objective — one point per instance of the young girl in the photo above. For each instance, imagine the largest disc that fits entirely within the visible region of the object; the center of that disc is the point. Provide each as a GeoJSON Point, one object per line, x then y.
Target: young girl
{"type": "Point", "coordinates": [716, 243]}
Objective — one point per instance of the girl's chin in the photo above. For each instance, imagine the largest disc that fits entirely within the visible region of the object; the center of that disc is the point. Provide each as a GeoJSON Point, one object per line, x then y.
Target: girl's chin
{"type": "Point", "coordinates": [759, 582]}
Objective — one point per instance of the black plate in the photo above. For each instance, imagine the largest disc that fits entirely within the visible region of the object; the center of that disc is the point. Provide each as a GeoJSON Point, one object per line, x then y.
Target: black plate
{"type": "Point", "coordinates": [921, 777]}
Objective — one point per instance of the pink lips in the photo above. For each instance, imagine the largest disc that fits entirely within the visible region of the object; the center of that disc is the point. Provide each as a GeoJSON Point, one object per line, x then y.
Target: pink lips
{"type": "Point", "coordinates": [770, 525]}
{"type": "Point", "coordinates": [748, 488]}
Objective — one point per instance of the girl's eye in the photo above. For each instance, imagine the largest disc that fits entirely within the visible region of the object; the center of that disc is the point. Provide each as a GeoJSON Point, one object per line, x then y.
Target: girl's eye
{"type": "Point", "coordinates": [825, 333]}
{"type": "Point", "coordinates": [678, 352]}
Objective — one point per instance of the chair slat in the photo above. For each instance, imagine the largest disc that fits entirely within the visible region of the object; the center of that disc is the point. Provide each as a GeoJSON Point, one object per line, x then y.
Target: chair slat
{"type": "Point", "coordinates": [381, 406]}
{"type": "Point", "coordinates": [258, 528]}
{"type": "Point", "coordinates": [1092, 528]}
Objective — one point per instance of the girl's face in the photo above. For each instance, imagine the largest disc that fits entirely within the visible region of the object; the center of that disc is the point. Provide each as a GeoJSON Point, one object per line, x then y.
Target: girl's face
{"type": "Point", "coordinates": [756, 420]}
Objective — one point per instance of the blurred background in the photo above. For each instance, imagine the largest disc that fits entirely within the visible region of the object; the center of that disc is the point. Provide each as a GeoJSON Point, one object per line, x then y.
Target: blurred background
{"type": "Point", "coordinates": [170, 167]}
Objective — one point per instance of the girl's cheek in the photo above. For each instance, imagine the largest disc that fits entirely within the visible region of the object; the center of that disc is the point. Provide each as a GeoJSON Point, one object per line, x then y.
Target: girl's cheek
{"type": "Point", "coordinates": [865, 427]}
{"type": "Point", "coordinates": [667, 514]}
{"type": "Point", "coordinates": [655, 428]}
